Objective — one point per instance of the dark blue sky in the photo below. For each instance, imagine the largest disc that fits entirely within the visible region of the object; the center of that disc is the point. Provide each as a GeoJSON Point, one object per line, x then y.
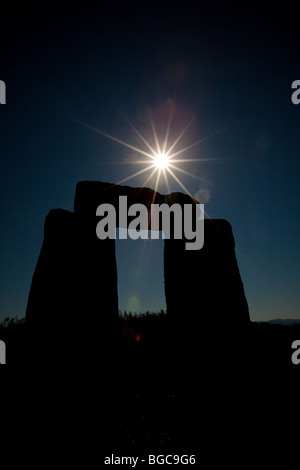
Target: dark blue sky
{"type": "Point", "coordinates": [230, 69]}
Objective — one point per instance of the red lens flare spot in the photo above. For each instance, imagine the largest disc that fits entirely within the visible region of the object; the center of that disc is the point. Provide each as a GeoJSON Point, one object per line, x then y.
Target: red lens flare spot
{"type": "Point", "coordinates": [138, 337]}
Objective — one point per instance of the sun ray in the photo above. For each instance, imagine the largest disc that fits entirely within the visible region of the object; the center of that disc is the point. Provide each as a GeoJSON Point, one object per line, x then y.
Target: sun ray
{"type": "Point", "coordinates": [115, 139]}
{"type": "Point", "coordinates": [168, 129]}
{"type": "Point", "coordinates": [156, 185]}
{"type": "Point", "coordinates": [184, 171]}
{"type": "Point", "coordinates": [155, 138]}
{"type": "Point", "coordinates": [179, 137]}
{"type": "Point", "coordinates": [134, 162]}
{"type": "Point", "coordinates": [196, 143]}
{"type": "Point", "coordinates": [189, 160]}
{"type": "Point", "coordinates": [179, 152]}
{"type": "Point", "coordinates": [149, 177]}
{"type": "Point", "coordinates": [179, 182]}
{"type": "Point", "coordinates": [166, 179]}
{"type": "Point", "coordinates": [138, 133]}
{"type": "Point", "coordinates": [136, 174]}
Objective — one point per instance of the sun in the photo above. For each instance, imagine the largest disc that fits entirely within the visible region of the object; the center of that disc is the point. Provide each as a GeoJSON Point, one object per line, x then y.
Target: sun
{"type": "Point", "coordinates": [161, 160]}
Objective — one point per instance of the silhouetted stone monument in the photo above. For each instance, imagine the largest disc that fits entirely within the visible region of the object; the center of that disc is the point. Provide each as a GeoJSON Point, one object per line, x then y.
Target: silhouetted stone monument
{"type": "Point", "coordinates": [74, 286]}
{"type": "Point", "coordinates": [72, 315]}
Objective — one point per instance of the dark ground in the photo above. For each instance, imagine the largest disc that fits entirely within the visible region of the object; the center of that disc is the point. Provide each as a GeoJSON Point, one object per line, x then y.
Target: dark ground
{"type": "Point", "coordinates": [153, 395]}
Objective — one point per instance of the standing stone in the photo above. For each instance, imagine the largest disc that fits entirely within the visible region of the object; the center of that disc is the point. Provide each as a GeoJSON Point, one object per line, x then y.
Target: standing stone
{"type": "Point", "coordinates": [73, 298]}
{"type": "Point", "coordinates": [206, 302]}
{"type": "Point", "coordinates": [206, 284]}
{"type": "Point", "coordinates": [209, 326]}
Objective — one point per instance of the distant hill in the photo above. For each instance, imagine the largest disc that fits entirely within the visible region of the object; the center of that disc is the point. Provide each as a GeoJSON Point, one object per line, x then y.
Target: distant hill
{"type": "Point", "coordinates": [286, 322]}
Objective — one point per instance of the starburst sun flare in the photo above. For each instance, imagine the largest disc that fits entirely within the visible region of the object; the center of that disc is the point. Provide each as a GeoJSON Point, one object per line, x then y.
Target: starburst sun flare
{"type": "Point", "coordinates": [162, 157]}
{"type": "Point", "coordinates": [161, 161]}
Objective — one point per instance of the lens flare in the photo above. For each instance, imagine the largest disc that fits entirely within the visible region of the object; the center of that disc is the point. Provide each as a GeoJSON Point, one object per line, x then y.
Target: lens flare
{"type": "Point", "coordinates": [160, 156]}
{"type": "Point", "coordinates": [161, 161]}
